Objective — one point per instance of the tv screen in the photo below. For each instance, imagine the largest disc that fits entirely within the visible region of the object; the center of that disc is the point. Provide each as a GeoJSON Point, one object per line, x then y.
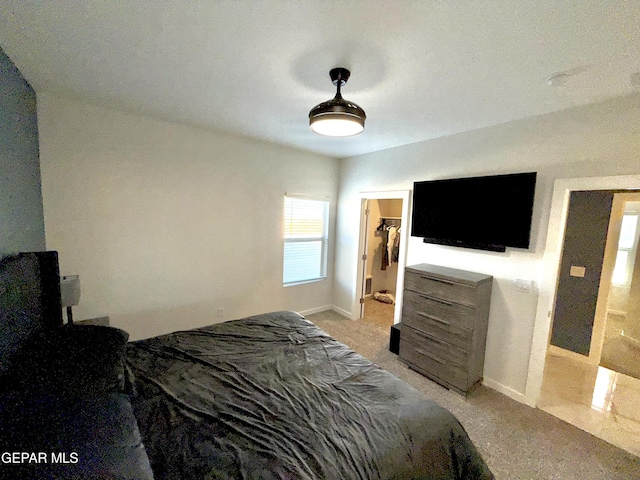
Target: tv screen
{"type": "Point", "coordinates": [488, 213]}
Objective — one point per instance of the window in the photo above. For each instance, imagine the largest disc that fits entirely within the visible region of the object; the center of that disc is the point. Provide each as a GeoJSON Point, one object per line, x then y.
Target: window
{"type": "Point", "coordinates": [627, 246]}
{"type": "Point", "coordinates": [306, 239]}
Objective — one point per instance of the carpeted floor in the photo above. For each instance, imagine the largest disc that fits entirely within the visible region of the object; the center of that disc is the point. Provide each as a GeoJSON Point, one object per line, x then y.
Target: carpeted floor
{"type": "Point", "coordinates": [517, 442]}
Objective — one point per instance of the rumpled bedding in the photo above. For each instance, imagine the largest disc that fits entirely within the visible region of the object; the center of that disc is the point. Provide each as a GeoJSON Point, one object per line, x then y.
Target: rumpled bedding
{"type": "Point", "coordinates": [274, 397]}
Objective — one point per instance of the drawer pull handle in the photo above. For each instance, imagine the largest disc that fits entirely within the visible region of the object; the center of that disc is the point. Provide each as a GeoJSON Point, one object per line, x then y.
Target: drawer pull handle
{"type": "Point", "coordinates": [436, 340]}
{"type": "Point", "coordinates": [436, 299]}
{"type": "Point", "coordinates": [435, 319]}
{"type": "Point", "coordinates": [446, 282]}
{"type": "Point", "coordinates": [431, 356]}
{"type": "Point", "coordinates": [431, 338]}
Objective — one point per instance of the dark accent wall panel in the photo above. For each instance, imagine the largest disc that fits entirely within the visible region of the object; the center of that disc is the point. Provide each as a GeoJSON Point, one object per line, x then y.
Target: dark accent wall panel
{"type": "Point", "coordinates": [21, 212]}
{"type": "Point", "coordinates": [584, 243]}
{"type": "Point", "coordinates": [29, 300]}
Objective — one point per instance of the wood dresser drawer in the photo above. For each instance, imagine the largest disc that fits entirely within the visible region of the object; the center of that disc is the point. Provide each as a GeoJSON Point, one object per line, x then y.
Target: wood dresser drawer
{"type": "Point", "coordinates": [447, 373]}
{"type": "Point", "coordinates": [436, 348]}
{"type": "Point", "coordinates": [440, 326]}
{"type": "Point", "coordinates": [442, 311]}
{"type": "Point", "coordinates": [442, 289]}
{"type": "Point", "coordinates": [445, 315]}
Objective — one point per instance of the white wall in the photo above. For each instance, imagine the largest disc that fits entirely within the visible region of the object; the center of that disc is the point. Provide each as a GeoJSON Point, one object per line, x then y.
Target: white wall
{"type": "Point", "coordinates": [598, 140]}
{"type": "Point", "coordinates": [167, 223]}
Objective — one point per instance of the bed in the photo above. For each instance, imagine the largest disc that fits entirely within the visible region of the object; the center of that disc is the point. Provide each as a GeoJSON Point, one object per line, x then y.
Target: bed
{"type": "Point", "coordinates": [267, 397]}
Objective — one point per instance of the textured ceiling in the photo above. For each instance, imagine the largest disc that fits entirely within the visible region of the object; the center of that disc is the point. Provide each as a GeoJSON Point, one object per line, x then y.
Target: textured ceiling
{"type": "Point", "coordinates": [420, 69]}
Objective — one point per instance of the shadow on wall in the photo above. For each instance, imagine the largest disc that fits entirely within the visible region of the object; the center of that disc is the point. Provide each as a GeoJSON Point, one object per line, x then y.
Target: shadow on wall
{"type": "Point", "coordinates": [510, 331]}
{"type": "Point", "coordinates": [150, 323]}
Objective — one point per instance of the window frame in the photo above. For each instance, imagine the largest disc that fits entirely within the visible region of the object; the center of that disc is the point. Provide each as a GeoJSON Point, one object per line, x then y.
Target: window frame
{"type": "Point", "coordinates": [323, 238]}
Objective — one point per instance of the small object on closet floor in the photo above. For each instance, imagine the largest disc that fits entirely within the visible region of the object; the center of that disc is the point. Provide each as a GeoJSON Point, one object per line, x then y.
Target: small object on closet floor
{"type": "Point", "coordinates": [384, 297]}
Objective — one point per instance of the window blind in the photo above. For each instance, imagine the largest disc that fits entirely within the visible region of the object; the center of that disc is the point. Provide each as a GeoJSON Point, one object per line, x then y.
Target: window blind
{"type": "Point", "coordinates": [306, 221]}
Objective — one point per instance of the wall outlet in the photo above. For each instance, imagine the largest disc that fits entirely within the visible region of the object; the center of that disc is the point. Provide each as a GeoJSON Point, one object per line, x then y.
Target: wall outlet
{"type": "Point", "coordinates": [523, 285]}
{"type": "Point", "coordinates": [220, 312]}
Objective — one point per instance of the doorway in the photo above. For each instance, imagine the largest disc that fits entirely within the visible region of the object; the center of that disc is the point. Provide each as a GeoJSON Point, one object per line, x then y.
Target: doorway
{"type": "Point", "coordinates": [620, 349]}
{"type": "Point", "coordinates": [382, 256]}
{"type": "Point", "coordinates": [576, 387]}
{"type": "Point", "coordinates": [596, 310]}
{"type": "Point", "coordinates": [384, 232]}
{"type": "Point", "coordinates": [550, 267]}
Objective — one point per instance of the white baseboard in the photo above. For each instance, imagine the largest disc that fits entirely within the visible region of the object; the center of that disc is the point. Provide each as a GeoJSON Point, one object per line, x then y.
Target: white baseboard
{"type": "Point", "coordinates": [561, 352]}
{"type": "Point", "coordinates": [324, 308]}
{"type": "Point", "coordinates": [311, 311]}
{"type": "Point", "coordinates": [341, 311]}
{"type": "Point", "coordinates": [509, 392]}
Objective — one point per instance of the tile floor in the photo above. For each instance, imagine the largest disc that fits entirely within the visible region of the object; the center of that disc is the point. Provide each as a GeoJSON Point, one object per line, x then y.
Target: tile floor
{"type": "Point", "coordinates": [595, 399]}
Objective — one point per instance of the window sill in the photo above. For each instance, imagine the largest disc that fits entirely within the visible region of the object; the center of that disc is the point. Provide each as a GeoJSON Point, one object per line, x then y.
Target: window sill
{"type": "Point", "coordinates": [303, 282]}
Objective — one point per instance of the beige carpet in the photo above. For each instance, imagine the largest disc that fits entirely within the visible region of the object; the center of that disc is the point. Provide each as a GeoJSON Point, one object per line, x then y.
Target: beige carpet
{"type": "Point", "coordinates": [517, 442]}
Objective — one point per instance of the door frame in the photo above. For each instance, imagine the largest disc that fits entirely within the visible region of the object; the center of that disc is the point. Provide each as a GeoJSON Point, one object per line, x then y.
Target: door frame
{"type": "Point", "coordinates": [403, 195]}
{"type": "Point", "coordinates": [551, 264]}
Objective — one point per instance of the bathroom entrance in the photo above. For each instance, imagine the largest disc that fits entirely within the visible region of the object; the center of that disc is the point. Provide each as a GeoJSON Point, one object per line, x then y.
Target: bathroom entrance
{"type": "Point", "coordinates": [621, 342]}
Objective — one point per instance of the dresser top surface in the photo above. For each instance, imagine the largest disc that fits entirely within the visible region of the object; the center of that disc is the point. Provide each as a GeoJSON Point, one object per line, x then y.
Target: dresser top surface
{"type": "Point", "coordinates": [463, 276]}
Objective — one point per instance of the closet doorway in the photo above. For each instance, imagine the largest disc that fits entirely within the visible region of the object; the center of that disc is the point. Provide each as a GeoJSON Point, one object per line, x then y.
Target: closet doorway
{"type": "Point", "coordinates": [382, 256]}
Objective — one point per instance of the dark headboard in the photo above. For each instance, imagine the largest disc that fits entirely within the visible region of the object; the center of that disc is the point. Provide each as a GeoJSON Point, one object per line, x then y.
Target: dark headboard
{"type": "Point", "coordinates": [29, 300]}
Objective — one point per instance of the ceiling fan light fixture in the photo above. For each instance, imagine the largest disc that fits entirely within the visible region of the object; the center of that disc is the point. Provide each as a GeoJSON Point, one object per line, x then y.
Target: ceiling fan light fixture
{"type": "Point", "coordinates": [337, 117]}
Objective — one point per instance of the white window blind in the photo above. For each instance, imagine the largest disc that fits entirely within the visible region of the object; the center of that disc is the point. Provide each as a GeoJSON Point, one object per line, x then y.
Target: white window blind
{"type": "Point", "coordinates": [306, 221]}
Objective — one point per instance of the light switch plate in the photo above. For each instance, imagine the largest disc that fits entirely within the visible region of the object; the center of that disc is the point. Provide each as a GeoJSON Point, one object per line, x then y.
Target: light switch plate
{"type": "Point", "coordinates": [576, 271]}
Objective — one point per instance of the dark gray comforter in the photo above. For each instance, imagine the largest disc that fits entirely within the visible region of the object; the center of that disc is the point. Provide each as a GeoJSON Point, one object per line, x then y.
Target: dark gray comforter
{"type": "Point", "coordinates": [274, 397]}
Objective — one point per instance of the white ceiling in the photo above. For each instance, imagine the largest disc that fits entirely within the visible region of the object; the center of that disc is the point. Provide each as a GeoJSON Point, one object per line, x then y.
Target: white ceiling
{"type": "Point", "coordinates": [420, 69]}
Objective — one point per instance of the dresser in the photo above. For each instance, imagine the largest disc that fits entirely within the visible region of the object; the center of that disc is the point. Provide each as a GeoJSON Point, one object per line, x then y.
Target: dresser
{"type": "Point", "coordinates": [445, 313]}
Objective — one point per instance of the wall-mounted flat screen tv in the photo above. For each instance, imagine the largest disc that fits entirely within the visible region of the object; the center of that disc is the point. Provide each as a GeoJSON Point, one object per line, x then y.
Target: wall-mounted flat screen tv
{"type": "Point", "coordinates": [488, 213]}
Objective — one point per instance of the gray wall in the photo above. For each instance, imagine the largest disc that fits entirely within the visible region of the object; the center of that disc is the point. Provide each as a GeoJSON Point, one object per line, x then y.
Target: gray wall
{"type": "Point", "coordinates": [21, 217]}
{"type": "Point", "coordinates": [584, 243]}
